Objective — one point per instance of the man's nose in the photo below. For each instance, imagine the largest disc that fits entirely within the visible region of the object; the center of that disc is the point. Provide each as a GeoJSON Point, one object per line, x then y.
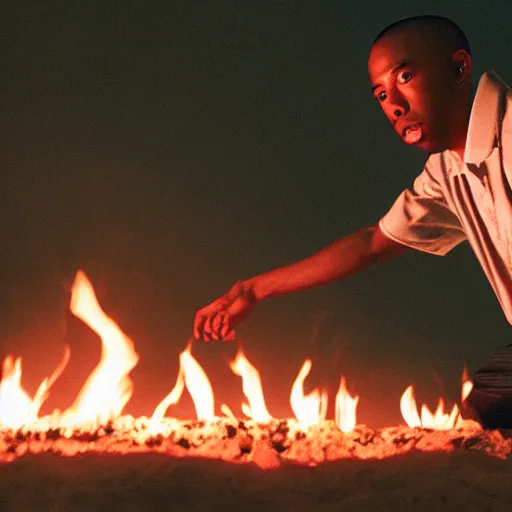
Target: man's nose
{"type": "Point", "coordinates": [398, 106]}
{"type": "Point", "coordinates": [398, 112]}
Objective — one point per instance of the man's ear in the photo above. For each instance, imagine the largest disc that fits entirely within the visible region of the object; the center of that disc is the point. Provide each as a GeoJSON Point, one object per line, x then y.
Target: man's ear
{"type": "Point", "coordinates": [462, 65]}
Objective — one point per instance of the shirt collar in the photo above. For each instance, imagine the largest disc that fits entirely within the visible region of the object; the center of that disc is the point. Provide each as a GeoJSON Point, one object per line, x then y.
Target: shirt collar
{"type": "Point", "coordinates": [486, 116]}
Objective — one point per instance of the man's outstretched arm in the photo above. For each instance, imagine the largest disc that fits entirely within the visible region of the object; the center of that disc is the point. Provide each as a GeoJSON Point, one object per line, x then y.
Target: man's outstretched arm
{"type": "Point", "coordinates": [344, 257]}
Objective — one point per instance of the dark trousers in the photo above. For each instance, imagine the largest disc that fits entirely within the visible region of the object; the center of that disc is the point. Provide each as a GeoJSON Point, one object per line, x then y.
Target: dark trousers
{"type": "Point", "coordinates": [490, 401]}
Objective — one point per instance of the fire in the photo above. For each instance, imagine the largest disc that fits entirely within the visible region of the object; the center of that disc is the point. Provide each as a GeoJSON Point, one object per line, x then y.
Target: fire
{"type": "Point", "coordinates": [198, 385]}
{"type": "Point", "coordinates": [171, 399]}
{"type": "Point", "coordinates": [346, 406]}
{"type": "Point", "coordinates": [251, 384]}
{"type": "Point", "coordinates": [439, 419]}
{"type": "Point", "coordinates": [108, 389]}
{"type": "Point", "coordinates": [467, 386]}
{"type": "Point", "coordinates": [309, 409]}
{"type": "Point", "coordinates": [192, 376]}
{"type": "Point", "coordinates": [16, 407]}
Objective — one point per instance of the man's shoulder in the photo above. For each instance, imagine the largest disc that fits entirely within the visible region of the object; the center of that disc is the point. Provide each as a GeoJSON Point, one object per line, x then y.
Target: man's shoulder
{"type": "Point", "coordinates": [493, 77]}
{"type": "Point", "coordinates": [492, 85]}
{"type": "Point", "coordinates": [437, 169]}
{"type": "Point", "coordinates": [507, 110]}
{"type": "Point", "coordinates": [487, 113]}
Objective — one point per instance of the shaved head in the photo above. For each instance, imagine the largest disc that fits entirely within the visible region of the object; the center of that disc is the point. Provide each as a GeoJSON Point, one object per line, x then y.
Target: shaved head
{"type": "Point", "coordinates": [444, 30]}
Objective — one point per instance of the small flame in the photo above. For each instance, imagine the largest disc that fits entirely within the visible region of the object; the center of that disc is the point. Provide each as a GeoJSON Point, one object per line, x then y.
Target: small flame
{"type": "Point", "coordinates": [198, 386]}
{"type": "Point", "coordinates": [16, 407]}
{"type": "Point", "coordinates": [346, 406]}
{"type": "Point", "coordinates": [251, 383]}
{"type": "Point", "coordinates": [108, 387]}
{"type": "Point", "coordinates": [309, 409]}
{"type": "Point", "coordinates": [438, 420]}
{"type": "Point", "coordinates": [409, 409]}
{"type": "Point", "coordinates": [467, 386]}
{"type": "Point", "coordinates": [171, 399]}
{"type": "Point", "coordinates": [228, 412]}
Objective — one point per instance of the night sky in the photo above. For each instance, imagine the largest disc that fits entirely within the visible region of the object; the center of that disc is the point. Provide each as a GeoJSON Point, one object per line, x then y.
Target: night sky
{"type": "Point", "coordinates": [169, 150]}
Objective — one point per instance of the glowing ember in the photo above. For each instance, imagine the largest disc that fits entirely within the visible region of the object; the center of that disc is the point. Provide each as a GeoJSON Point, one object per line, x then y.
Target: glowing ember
{"type": "Point", "coordinates": [309, 409]}
{"type": "Point", "coordinates": [346, 406]}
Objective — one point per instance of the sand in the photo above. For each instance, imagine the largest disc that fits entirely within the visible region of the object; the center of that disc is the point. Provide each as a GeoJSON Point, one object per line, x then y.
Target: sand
{"type": "Point", "coordinates": [392, 469]}
{"type": "Point", "coordinates": [145, 482]}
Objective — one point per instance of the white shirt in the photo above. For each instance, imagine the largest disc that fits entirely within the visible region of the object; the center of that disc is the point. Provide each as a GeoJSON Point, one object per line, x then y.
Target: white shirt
{"type": "Point", "coordinates": [471, 199]}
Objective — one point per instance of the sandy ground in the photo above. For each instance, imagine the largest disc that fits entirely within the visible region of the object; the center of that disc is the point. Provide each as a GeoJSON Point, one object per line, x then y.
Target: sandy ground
{"type": "Point", "coordinates": [417, 482]}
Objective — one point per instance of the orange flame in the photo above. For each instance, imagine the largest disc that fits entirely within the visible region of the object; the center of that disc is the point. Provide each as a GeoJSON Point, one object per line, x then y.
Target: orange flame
{"type": "Point", "coordinates": [409, 409]}
{"type": "Point", "coordinates": [438, 420]}
{"type": "Point", "coordinates": [108, 387]}
{"type": "Point", "coordinates": [467, 386]}
{"type": "Point", "coordinates": [346, 406]}
{"type": "Point", "coordinates": [192, 376]}
{"type": "Point", "coordinates": [198, 386]}
{"type": "Point", "coordinates": [308, 409]}
{"type": "Point", "coordinates": [251, 383]}
{"type": "Point", "coordinates": [16, 407]}
{"type": "Point", "coordinates": [171, 399]}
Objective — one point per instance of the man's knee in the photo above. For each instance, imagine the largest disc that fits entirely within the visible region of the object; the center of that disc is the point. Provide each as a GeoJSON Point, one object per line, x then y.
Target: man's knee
{"type": "Point", "coordinates": [490, 401]}
{"type": "Point", "coordinates": [491, 408]}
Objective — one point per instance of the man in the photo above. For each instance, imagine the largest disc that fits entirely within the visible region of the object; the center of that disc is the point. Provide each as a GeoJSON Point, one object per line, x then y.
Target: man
{"type": "Point", "coordinates": [420, 73]}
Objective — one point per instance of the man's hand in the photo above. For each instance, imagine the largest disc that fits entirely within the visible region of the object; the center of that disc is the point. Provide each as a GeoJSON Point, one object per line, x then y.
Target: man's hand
{"type": "Point", "coordinates": [340, 259]}
{"type": "Point", "coordinates": [218, 319]}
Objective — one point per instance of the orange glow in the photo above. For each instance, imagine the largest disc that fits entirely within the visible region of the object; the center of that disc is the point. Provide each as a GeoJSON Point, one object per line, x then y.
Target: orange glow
{"type": "Point", "coordinates": [108, 387]}
{"type": "Point", "coordinates": [309, 409]}
{"type": "Point", "coordinates": [346, 406]}
{"type": "Point", "coordinates": [251, 384]}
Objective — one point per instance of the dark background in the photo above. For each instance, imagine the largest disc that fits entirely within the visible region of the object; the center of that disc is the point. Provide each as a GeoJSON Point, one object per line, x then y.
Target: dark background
{"type": "Point", "coordinates": [170, 148]}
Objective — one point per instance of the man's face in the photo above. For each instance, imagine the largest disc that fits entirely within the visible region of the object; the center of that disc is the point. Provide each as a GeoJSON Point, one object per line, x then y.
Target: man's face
{"type": "Point", "coordinates": [414, 80]}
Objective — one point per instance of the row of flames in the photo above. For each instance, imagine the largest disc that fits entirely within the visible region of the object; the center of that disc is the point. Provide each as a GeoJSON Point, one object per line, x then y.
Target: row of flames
{"type": "Point", "coordinates": [108, 388]}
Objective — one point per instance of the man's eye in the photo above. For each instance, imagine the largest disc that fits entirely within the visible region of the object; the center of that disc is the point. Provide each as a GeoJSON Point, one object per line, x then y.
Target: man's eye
{"type": "Point", "coordinates": [381, 96]}
{"type": "Point", "coordinates": [404, 77]}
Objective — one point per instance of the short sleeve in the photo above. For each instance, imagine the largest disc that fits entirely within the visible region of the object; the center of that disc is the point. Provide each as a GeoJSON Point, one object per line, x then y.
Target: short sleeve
{"type": "Point", "coordinates": [421, 218]}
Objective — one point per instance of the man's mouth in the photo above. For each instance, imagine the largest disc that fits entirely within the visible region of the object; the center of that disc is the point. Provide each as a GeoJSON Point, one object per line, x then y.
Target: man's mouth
{"type": "Point", "coordinates": [412, 133]}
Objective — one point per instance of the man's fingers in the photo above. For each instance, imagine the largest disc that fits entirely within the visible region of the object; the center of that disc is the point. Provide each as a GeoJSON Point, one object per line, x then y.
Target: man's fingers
{"type": "Point", "coordinates": [207, 327]}
{"type": "Point", "coordinates": [217, 320]}
{"type": "Point", "coordinates": [217, 323]}
{"type": "Point", "coordinates": [229, 336]}
{"type": "Point", "coordinates": [224, 330]}
{"type": "Point", "coordinates": [198, 325]}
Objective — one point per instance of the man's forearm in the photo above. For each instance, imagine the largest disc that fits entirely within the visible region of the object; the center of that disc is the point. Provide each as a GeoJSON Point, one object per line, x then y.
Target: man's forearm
{"type": "Point", "coordinates": [340, 259]}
